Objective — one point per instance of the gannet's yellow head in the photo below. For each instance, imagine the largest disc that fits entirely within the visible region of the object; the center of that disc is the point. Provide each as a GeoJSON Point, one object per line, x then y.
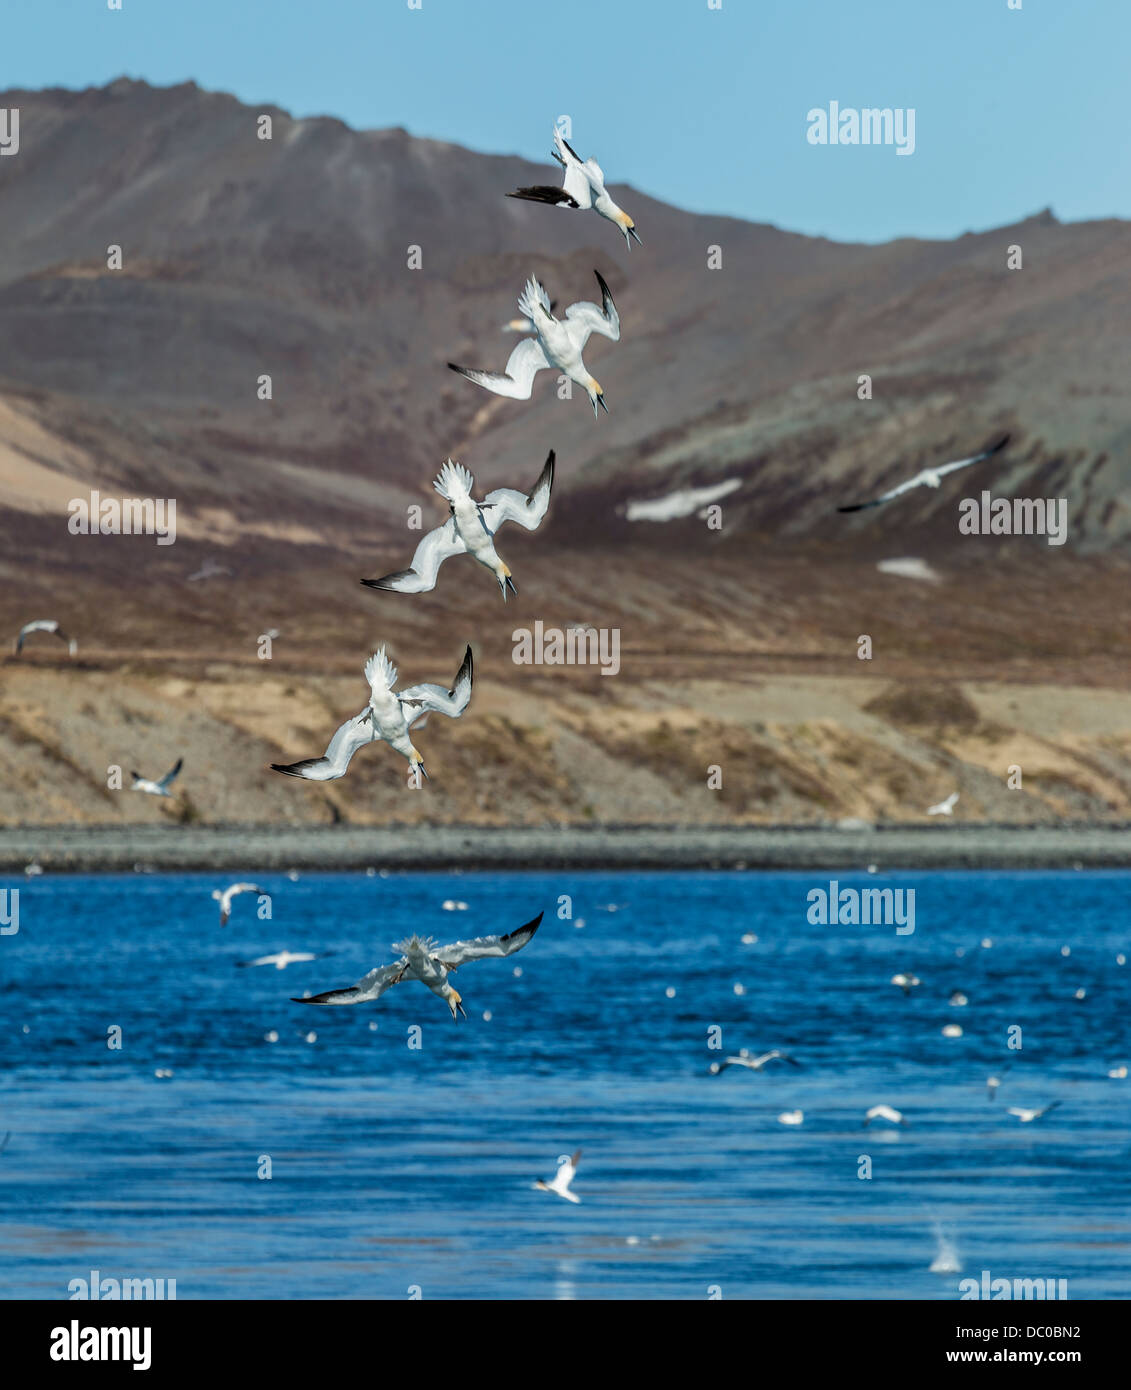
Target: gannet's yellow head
{"type": "Point", "coordinates": [596, 395]}
{"type": "Point", "coordinates": [628, 227]}
{"type": "Point", "coordinates": [455, 1000]}
{"type": "Point", "coordinates": [416, 760]}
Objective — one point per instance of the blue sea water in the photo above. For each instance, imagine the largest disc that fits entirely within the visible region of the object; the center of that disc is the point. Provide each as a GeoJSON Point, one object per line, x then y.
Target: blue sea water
{"type": "Point", "coordinates": [398, 1170]}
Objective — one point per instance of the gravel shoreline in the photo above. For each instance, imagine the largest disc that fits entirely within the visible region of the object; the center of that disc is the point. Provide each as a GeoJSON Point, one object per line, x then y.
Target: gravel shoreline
{"type": "Point", "coordinates": [102, 849]}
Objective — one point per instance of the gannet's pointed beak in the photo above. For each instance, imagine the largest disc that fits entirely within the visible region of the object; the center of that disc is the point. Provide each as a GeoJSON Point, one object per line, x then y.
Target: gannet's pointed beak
{"type": "Point", "coordinates": [509, 584]}
{"type": "Point", "coordinates": [420, 767]}
{"type": "Point", "coordinates": [601, 402]}
{"type": "Point", "coordinates": [635, 238]}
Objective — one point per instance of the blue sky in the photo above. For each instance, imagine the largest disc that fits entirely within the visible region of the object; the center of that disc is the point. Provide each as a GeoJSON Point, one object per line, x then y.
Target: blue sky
{"type": "Point", "coordinates": [1015, 110]}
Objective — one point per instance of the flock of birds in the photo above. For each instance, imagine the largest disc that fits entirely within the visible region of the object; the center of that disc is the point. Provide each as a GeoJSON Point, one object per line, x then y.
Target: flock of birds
{"type": "Point", "coordinates": [391, 714]}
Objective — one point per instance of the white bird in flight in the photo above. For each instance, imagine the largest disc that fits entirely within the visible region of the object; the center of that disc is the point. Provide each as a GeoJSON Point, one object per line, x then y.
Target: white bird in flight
{"type": "Point", "coordinates": [929, 477]}
{"type": "Point", "coordinates": [907, 981]}
{"type": "Point", "coordinates": [1028, 1116]}
{"type": "Point", "coordinates": [559, 343]}
{"type": "Point", "coordinates": [944, 808]}
{"type": "Point", "coordinates": [993, 1082]}
{"type": "Point", "coordinates": [583, 187]}
{"type": "Point", "coordinates": [281, 959]}
{"type": "Point", "coordinates": [388, 717]}
{"type": "Point", "coordinates": [883, 1112]}
{"type": "Point", "coordinates": [421, 959]}
{"type": "Point", "coordinates": [559, 1183]}
{"type": "Point", "coordinates": [45, 625]}
{"type": "Point", "coordinates": [744, 1059]}
{"type": "Point", "coordinates": [161, 788]}
{"type": "Point", "coordinates": [470, 529]}
{"type": "Point", "coordinates": [224, 898]}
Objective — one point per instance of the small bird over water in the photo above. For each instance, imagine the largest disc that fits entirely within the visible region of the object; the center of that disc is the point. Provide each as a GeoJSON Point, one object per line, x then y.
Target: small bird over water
{"type": "Point", "coordinates": [224, 898]}
{"type": "Point", "coordinates": [421, 959]}
{"type": "Point", "coordinates": [559, 343]}
{"type": "Point", "coordinates": [944, 808]}
{"type": "Point", "coordinates": [1028, 1116]}
{"type": "Point", "coordinates": [45, 625]}
{"type": "Point", "coordinates": [161, 788]}
{"type": "Point", "coordinates": [281, 959]}
{"type": "Point", "coordinates": [744, 1059]}
{"type": "Point", "coordinates": [583, 187]}
{"type": "Point", "coordinates": [559, 1183]}
{"type": "Point", "coordinates": [388, 717]}
{"type": "Point", "coordinates": [884, 1112]}
{"type": "Point", "coordinates": [470, 529]}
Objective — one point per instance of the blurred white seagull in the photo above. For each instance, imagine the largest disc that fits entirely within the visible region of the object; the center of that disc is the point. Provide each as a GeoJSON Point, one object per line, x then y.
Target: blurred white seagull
{"type": "Point", "coordinates": [281, 959]}
{"type": "Point", "coordinates": [559, 1183]}
{"type": "Point", "coordinates": [421, 959]}
{"type": "Point", "coordinates": [143, 784]}
{"type": "Point", "coordinates": [559, 343]}
{"type": "Point", "coordinates": [45, 625]}
{"type": "Point", "coordinates": [744, 1059]}
{"type": "Point", "coordinates": [1028, 1116]}
{"type": "Point", "coordinates": [884, 1112]}
{"type": "Point", "coordinates": [470, 529]}
{"type": "Point", "coordinates": [583, 187]}
{"type": "Point", "coordinates": [388, 717]}
{"type": "Point", "coordinates": [929, 477]}
{"type": "Point", "coordinates": [224, 898]}
{"type": "Point", "coordinates": [944, 808]}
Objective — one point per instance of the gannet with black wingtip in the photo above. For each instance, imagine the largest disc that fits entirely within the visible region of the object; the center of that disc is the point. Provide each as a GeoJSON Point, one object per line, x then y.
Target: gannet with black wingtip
{"type": "Point", "coordinates": [421, 959]}
{"type": "Point", "coordinates": [559, 343]}
{"type": "Point", "coordinates": [583, 187]}
{"type": "Point", "coordinates": [944, 808]}
{"type": "Point", "coordinates": [744, 1059]}
{"type": "Point", "coordinates": [929, 477]}
{"type": "Point", "coordinates": [470, 529]}
{"type": "Point", "coordinates": [388, 718]}
{"type": "Point", "coordinates": [161, 788]}
{"type": "Point", "coordinates": [884, 1112]}
{"type": "Point", "coordinates": [224, 897]}
{"type": "Point", "coordinates": [281, 959]}
{"type": "Point", "coordinates": [559, 1183]}
{"type": "Point", "coordinates": [45, 625]}
{"type": "Point", "coordinates": [1028, 1116]}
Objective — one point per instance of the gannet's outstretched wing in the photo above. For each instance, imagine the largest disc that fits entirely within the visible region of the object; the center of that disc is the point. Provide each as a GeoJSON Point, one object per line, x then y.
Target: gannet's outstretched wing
{"type": "Point", "coordinates": [45, 625]}
{"type": "Point", "coordinates": [436, 547]}
{"type": "Point", "coordinates": [517, 381]}
{"type": "Point", "coordinates": [354, 734]}
{"type": "Point", "coordinates": [170, 776]}
{"type": "Point", "coordinates": [583, 319]}
{"type": "Point", "coordinates": [417, 700]}
{"type": "Point", "coordinates": [508, 504]}
{"type": "Point", "coordinates": [369, 987]}
{"type": "Point", "coordinates": [460, 952]}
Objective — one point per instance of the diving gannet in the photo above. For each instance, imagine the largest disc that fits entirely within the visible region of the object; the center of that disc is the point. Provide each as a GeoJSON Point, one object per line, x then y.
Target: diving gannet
{"type": "Point", "coordinates": [470, 529]}
{"type": "Point", "coordinates": [583, 187]}
{"type": "Point", "coordinates": [421, 959]}
{"type": "Point", "coordinates": [559, 1183]}
{"type": "Point", "coordinates": [388, 718]}
{"type": "Point", "coordinates": [559, 343]}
